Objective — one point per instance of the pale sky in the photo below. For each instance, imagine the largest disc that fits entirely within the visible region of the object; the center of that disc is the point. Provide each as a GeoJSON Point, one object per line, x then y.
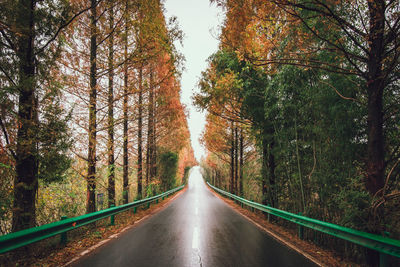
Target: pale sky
{"type": "Point", "coordinates": [200, 22]}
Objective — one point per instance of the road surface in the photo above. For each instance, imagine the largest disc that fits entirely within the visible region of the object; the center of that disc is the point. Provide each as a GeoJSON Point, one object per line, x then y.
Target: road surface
{"type": "Point", "coordinates": [196, 229]}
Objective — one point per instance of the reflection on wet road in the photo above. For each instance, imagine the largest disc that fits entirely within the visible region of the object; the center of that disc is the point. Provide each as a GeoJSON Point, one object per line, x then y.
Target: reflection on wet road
{"type": "Point", "coordinates": [196, 229]}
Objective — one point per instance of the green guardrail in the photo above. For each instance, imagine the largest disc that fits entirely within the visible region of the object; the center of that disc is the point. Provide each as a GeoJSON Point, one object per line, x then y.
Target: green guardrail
{"type": "Point", "coordinates": [379, 243]}
{"type": "Point", "coordinates": [28, 236]}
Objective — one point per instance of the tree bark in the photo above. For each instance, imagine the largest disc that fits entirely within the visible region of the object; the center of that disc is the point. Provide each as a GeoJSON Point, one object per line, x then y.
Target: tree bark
{"type": "Point", "coordinates": [303, 201]}
{"type": "Point", "coordinates": [264, 171]}
{"type": "Point", "coordinates": [375, 177]}
{"type": "Point", "coordinates": [375, 86]}
{"type": "Point", "coordinates": [140, 131]}
{"type": "Point", "coordinates": [26, 179]}
{"type": "Point", "coordinates": [150, 161]}
{"type": "Point", "coordinates": [272, 176]}
{"type": "Point", "coordinates": [232, 179]}
{"type": "Point", "coordinates": [125, 178]}
{"type": "Point", "coordinates": [241, 163]}
{"type": "Point", "coordinates": [91, 174]}
{"type": "Point", "coordinates": [236, 160]}
{"type": "Point", "coordinates": [154, 137]}
{"type": "Point", "coordinates": [110, 145]}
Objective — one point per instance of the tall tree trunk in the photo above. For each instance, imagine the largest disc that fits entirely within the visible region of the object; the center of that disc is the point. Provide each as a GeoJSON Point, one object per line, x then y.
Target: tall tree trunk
{"type": "Point", "coordinates": [110, 145]}
{"type": "Point", "coordinates": [272, 176]}
{"type": "Point", "coordinates": [232, 179]}
{"type": "Point", "coordinates": [91, 174]}
{"type": "Point", "coordinates": [303, 201]}
{"type": "Point", "coordinates": [264, 169]}
{"type": "Point", "coordinates": [241, 163]}
{"type": "Point", "coordinates": [140, 131]}
{"type": "Point", "coordinates": [375, 85]}
{"type": "Point", "coordinates": [26, 179]}
{"type": "Point", "coordinates": [125, 178]}
{"type": "Point", "coordinates": [154, 137]}
{"type": "Point", "coordinates": [236, 160]}
{"type": "Point", "coordinates": [150, 132]}
{"type": "Point", "coordinates": [147, 159]}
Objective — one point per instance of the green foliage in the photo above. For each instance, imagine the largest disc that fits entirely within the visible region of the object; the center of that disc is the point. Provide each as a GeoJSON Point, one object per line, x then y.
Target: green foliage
{"type": "Point", "coordinates": [354, 204]}
{"type": "Point", "coordinates": [6, 193]}
{"type": "Point", "coordinates": [168, 164]}
{"type": "Point", "coordinates": [61, 198]}
{"type": "Point", "coordinates": [153, 189]}
{"type": "Point", "coordinates": [54, 142]}
{"type": "Point", "coordinates": [186, 174]}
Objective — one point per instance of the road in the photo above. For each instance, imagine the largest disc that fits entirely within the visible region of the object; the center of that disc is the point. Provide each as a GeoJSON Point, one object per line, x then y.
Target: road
{"type": "Point", "coordinates": [196, 229]}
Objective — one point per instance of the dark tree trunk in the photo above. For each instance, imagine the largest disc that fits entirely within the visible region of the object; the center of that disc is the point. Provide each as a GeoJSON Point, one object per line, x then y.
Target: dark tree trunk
{"type": "Point", "coordinates": [125, 178]}
{"type": "Point", "coordinates": [147, 159]}
{"type": "Point", "coordinates": [375, 177]}
{"type": "Point", "coordinates": [152, 124]}
{"type": "Point", "coordinates": [91, 174]}
{"type": "Point", "coordinates": [264, 171]}
{"type": "Point", "coordinates": [26, 179]}
{"type": "Point", "coordinates": [150, 170]}
{"type": "Point", "coordinates": [272, 177]}
{"type": "Point", "coordinates": [232, 179]}
{"type": "Point", "coordinates": [154, 137]}
{"type": "Point", "coordinates": [217, 180]}
{"type": "Point", "coordinates": [375, 85]}
{"type": "Point", "coordinates": [236, 160]}
{"type": "Point", "coordinates": [140, 131]}
{"type": "Point", "coordinates": [241, 163]}
{"type": "Point", "coordinates": [110, 145]}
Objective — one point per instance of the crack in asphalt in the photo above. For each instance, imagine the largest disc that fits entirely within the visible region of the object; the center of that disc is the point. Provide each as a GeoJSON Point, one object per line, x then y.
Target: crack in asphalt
{"type": "Point", "coordinates": [198, 254]}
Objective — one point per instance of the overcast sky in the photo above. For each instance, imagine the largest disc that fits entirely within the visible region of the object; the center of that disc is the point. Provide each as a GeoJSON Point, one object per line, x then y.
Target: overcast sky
{"type": "Point", "coordinates": [200, 22]}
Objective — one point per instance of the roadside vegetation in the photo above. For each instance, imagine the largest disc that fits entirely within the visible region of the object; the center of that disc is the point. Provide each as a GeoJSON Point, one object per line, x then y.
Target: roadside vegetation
{"type": "Point", "coordinates": [303, 112]}
{"type": "Point", "coordinates": [90, 108]}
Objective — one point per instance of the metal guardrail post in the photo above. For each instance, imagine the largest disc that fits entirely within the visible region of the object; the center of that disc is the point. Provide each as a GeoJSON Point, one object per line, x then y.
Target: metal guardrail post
{"type": "Point", "coordinates": [301, 229]}
{"type": "Point", "coordinates": [162, 198]}
{"type": "Point", "coordinates": [148, 205]}
{"type": "Point", "coordinates": [383, 259]}
{"type": "Point", "coordinates": [134, 209]}
{"type": "Point", "coordinates": [64, 238]}
{"type": "Point", "coordinates": [112, 221]}
{"type": "Point", "coordinates": [157, 200]}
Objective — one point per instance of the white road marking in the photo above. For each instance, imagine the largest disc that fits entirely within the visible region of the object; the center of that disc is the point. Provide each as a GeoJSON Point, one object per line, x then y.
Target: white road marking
{"type": "Point", "coordinates": [195, 240]}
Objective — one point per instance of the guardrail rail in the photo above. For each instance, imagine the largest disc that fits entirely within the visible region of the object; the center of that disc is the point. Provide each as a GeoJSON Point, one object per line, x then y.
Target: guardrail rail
{"type": "Point", "coordinates": [28, 236]}
{"type": "Point", "coordinates": [384, 245]}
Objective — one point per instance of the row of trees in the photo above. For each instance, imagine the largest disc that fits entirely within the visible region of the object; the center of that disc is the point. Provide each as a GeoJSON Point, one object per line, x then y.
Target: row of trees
{"type": "Point", "coordinates": [313, 89]}
{"type": "Point", "coordinates": [94, 82]}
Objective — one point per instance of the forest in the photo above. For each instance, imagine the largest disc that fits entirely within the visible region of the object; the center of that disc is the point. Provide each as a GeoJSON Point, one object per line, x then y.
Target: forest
{"type": "Point", "coordinates": [90, 107]}
{"type": "Point", "coordinates": [302, 104]}
{"type": "Point", "coordinates": [302, 101]}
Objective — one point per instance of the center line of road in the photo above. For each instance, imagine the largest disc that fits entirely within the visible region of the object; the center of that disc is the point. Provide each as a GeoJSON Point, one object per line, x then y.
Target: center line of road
{"type": "Point", "coordinates": [197, 211]}
{"type": "Point", "coordinates": [195, 240]}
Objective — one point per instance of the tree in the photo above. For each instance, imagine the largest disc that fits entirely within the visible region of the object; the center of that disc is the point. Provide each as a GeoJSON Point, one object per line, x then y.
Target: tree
{"type": "Point", "coordinates": [91, 172]}
{"type": "Point", "coordinates": [358, 39]}
{"type": "Point", "coordinates": [30, 43]}
{"type": "Point", "coordinates": [110, 145]}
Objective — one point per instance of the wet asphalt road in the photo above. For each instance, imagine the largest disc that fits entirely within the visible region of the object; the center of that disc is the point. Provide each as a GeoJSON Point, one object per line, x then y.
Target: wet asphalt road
{"type": "Point", "coordinates": [196, 229]}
